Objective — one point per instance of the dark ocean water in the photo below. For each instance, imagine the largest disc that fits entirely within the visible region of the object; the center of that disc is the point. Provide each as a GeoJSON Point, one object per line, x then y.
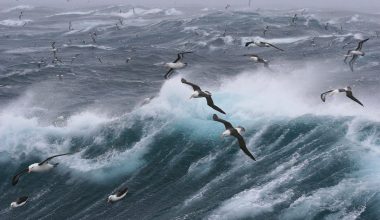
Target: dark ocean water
{"type": "Point", "coordinates": [315, 160]}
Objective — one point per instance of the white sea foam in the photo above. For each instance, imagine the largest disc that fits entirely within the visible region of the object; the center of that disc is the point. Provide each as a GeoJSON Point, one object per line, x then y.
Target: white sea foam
{"type": "Point", "coordinates": [14, 23]}
{"type": "Point", "coordinates": [19, 7]}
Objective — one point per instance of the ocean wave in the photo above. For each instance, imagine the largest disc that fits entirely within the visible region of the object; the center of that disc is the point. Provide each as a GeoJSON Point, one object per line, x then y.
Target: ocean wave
{"type": "Point", "coordinates": [14, 23]}
{"type": "Point", "coordinates": [19, 7]}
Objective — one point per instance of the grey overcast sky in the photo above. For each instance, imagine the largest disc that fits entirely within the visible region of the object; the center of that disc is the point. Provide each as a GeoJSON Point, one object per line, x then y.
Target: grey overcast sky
{"type": "Point", "coordinates": [355, 5]}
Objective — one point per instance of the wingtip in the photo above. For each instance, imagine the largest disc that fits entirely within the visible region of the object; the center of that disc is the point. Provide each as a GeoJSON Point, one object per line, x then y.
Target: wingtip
{"type": "Point", "coordinates": [214, 116]}
{"type": "Point", "coordinates": [14, 181]}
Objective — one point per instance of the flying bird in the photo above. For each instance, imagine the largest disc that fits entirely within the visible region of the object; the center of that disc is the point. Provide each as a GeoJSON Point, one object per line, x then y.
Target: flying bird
{"type": "Point", "coordinates": [346, 90]}
{"type": "Point", "coordinates": [70, 26]}
{"type": "Point", "coordinates": [121, 21]}
{"type": "Point", "coordinates": [99, 59]}
{"type": "Point", "coordinates": [120, 194]}
{"type": "Point", "coordinates": [265, 30]}
{"type": "Point", "coordinates": [37, 167]}
{"type": "Point", "coordinates": [198, 93]}
{"type": "Point", "coordinates": [176, 64]}
{"type": "Point", "coordinates": [294, 19]}
{"type": "Point", "coordinates": [262, 44]}
{"type": "Point", "coordinates": [327, 26]}
{"type": "Point", "coordinates": [54, 49]}
{"type": "Point", "coordinates": [355, 54]}
{"type": "Point", "coordinates": [74, 57]}
{"type": "Point", "coordinates": [236, 132]}
{"type": "Point", "coordinates": [255, 58]}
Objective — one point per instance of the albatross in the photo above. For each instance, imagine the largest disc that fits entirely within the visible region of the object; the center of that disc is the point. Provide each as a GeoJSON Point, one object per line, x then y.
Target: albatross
{"type": "Point", "coordinates": [346, 90]}
{"type": "Point", "coordinates": [355, 54]}
{"type": "Point", "coordinates": [236, 132]}
{"type": "Point", "coordinates": [262, 44]}
{"type": "Point", "coordinates": [43, 166]}
{"type": "Point", "coordinates": [176, 64]}
{"type": "Point", "coordinates": [198, 93]}
{"type": "Point", "coordinates": [19, 202]}
{"type": "Point", "coordinates": [255, 58]}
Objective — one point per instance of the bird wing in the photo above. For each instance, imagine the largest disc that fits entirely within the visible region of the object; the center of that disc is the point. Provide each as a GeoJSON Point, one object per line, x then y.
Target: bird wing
{"type": "Point", "coordinates": [168, 73]}
{"type": "Point", "coordinates": [249, 43]}
{"type": "Point", "coordinates": [251, 55]}
{"type": "Point", "coordinates": [360, 45]}
{"type": "Point", "coordinates": [212, 105]}
{"type": "Point", "coordinates": [49, 158]}
{"type": "Point", "coordinates": [242, 145]}
{"type": "Point", "coordinates": [226, 123]}
{"type": "Point", "coordinates": [349, 95]}
{"type": "Point", "coordinates": [17, 176]}
{"type": "Point", "coordinates": [179, 57]}
{"type": "Point", "coordinates": [323, 95]}
{"type": "Point", "coordinates": [122, 191]}
{"type": "Point", "coordinates": [195, 87]}
{"type": "Point", "coordinates": [347, 55]}
{"type": "Point", "coordinates": [21, 199]}
{"type": "Point", "coordinates": [352, 61]}
{"type": "Point", "coordinates": [275, 47]}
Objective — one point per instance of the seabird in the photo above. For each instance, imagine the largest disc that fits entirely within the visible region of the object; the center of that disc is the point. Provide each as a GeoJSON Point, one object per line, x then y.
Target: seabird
{"type": "Point", "coordinates": [93, 35]}
{"type": "Point", "coordinates": [236, 132]}
{"type": "Point", "coordinates": [121, 21]}
{"type": "Point", "coordinates": [262, 44]}
{"type": "Point", "coordinates": [56, 60]}
{"type": "Point", "coordinates": [37, 167]}
{"type": "Point", "coordinates": [257, 59]}
{"type": "Point", "coordinates": [54, 49]}
{"type": "Point", "coordinates": [20, 16]}
{"type": "Point", "coordinates": [227, 7]}
{"type": "Point", "coordinates": [120, 194]}
{"type": "Point", "coordinates": [74, 57]}
{"type": "Point", "coordinates": [347, 90]}
{"type": "Point", "coordinates": [355, 54]}
{"type": "Point", "coordinates": [41, 62]}
{"type": "Point", "coordinates": [327, 26]}
{"type": "Point", "coordinates": [198, 93]}
{"type": "Point", "coordinates": [99, 59]}
{"type": "Point", "coordinates": [117, 26]}
{"type": "Point", "coordinates": [70, 26]}
{"type": "Point", "coordinates": [19, 202]}
{"type": "Point", "coordinates": [294, 19]}
{"type": "Point", "coordinates": [313, 42]}
{"type": "Point", "coordinates": [265, 30]}
{"type": "Point", "coordinates": [128, 59]}
{"type": "Point", "coordinates": [176, 64]}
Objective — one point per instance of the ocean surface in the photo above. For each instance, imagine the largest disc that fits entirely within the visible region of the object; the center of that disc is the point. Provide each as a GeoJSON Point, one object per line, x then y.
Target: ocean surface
{"type": "Point", "coordinates": [315, 160]}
